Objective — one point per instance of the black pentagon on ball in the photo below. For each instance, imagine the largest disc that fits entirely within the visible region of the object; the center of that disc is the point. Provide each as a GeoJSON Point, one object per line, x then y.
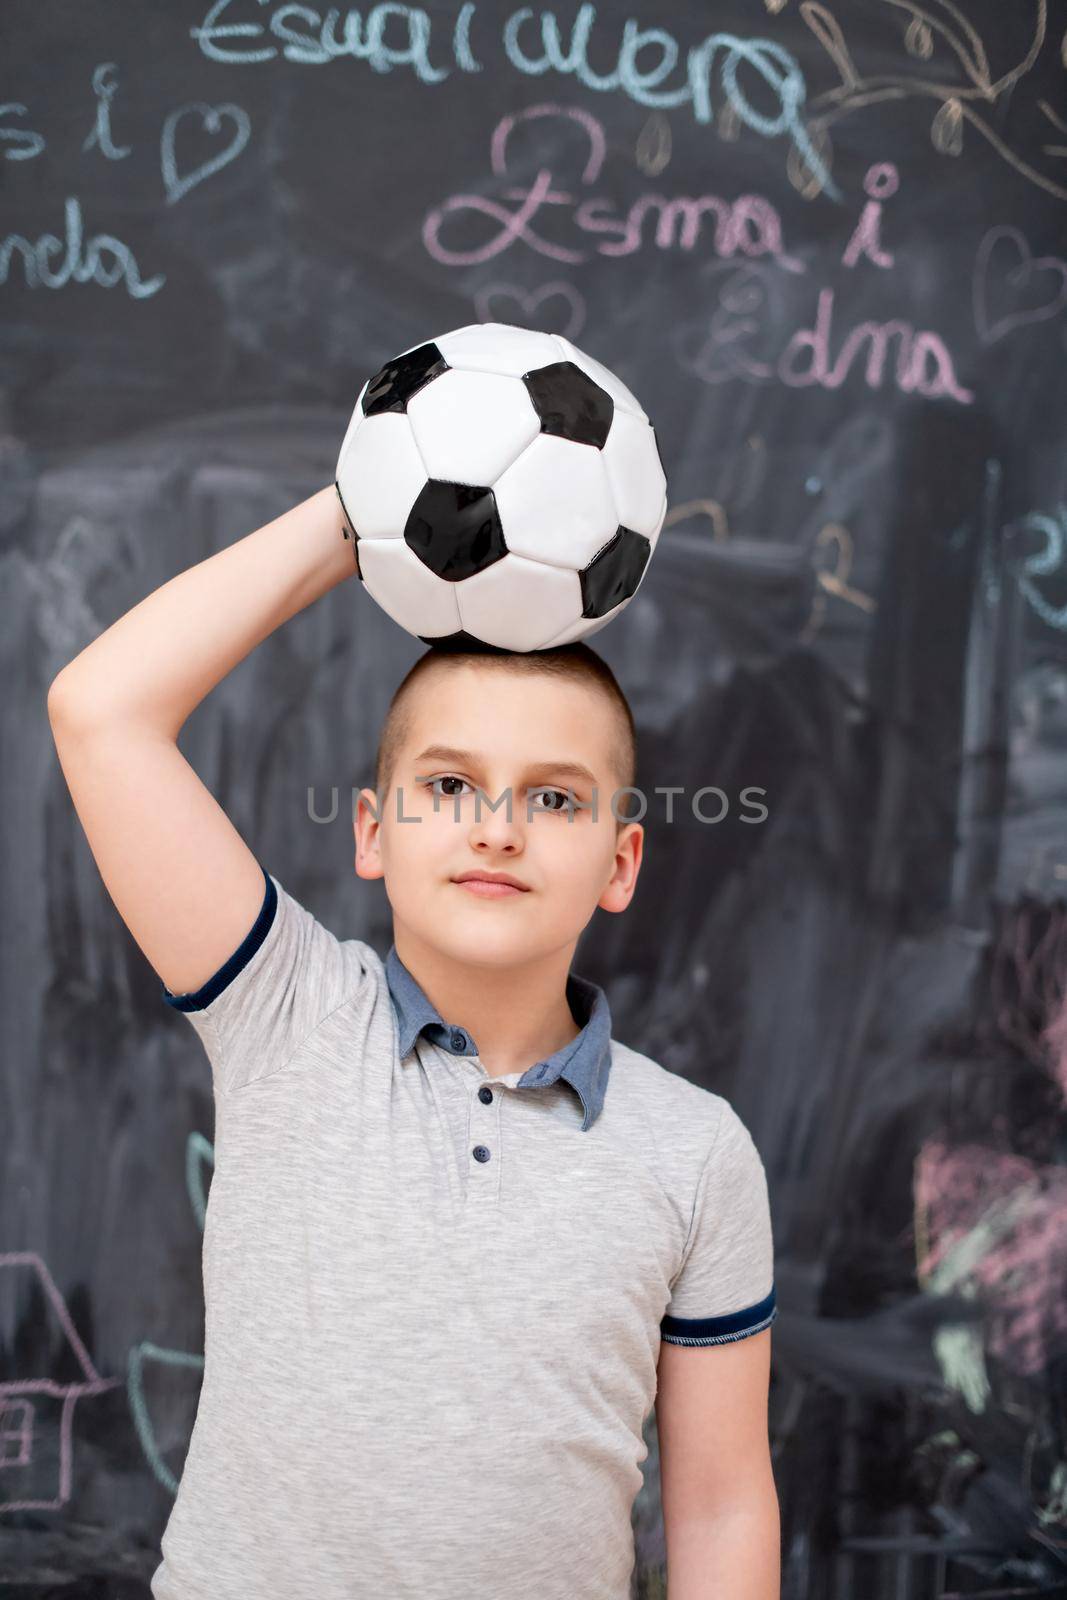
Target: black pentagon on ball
{"type": "Point", "coordinates": [452, 643]}
{"type": "Point", "coordinates": [614, 572]}
{"type": "Point", "coordinates": [454, 529]}
{"type": "Point", "coordinates": [570, 404]}
{"type": "Point", "coordinates": [393, 386]}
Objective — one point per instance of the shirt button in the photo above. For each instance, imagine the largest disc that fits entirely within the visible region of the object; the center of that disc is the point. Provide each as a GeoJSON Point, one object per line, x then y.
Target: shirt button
{"type": "Point", "coordinates": [480, 1153]}
{"type": "Point", "coordinates": [458, 1039]}
{"type": "Point", "coordinates": [485, 1096]}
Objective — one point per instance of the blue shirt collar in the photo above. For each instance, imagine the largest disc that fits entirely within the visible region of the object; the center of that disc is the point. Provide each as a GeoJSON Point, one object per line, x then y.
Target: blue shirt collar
{"type": "Point", "coordinates": [584, 1063]}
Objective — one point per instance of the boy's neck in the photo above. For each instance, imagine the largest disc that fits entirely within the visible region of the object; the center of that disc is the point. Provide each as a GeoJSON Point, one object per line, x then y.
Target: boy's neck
{"type": "Point", "coordinates": [516, 1016]}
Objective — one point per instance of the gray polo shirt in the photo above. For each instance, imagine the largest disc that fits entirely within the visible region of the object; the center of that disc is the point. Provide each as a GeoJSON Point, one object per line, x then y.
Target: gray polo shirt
{"type": "Point", "coordinates": [434, 1298]}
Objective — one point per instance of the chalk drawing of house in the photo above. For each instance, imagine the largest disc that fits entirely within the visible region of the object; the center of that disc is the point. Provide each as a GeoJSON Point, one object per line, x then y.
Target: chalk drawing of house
{"type": "Point", "coordinates": [36, 1408]}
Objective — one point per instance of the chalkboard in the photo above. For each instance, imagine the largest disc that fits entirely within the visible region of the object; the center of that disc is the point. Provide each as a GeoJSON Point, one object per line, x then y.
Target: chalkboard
{"type": "Point", "coordinates": [826, 247]}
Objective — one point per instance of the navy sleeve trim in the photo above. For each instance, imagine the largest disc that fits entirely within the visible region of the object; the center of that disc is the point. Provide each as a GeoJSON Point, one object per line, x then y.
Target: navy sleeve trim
{"type": "Point", "coordinates": [720, 1330]}
{"type": "Point", "coordinates": [240, 958]}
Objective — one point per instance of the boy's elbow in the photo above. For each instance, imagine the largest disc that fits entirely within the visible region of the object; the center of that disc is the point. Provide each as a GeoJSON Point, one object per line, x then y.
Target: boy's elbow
{"type": "Point", "coordinates": [63, 697]}
{"type": "Point", "coordinates": [54, 695]}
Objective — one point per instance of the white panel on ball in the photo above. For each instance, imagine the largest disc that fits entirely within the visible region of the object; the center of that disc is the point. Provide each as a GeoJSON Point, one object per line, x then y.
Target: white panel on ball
{"type": "Point", "coordinates": [470, 426]}
{"type": "Point", "coordinates": [555, 503]}
{"type": "Point", "coordinates": [498, 347]}
{"type": "Point", "coordinates": [353, 422]}
{"type": "Point", "coordinates": [516, 604]}
{"type": "Point", "coordinates": [631, 461]}
{"type": "Point", "coordinates": [380, 476]}
{"type": "Point", "coordinates": [403, 586]}
{"type": "Point", "coordinates": [585, 628]}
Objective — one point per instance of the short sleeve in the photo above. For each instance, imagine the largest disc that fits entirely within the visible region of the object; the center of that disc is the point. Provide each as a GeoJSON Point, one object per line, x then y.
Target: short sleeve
{"type": "Point", "coordinates": [724, 1289]}
{"type": "Point", "coordinates": [285, 977]}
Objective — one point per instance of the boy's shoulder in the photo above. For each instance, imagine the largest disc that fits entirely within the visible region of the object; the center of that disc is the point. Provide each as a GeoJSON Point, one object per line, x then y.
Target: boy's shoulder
{"type": "Point", "coordinates": [685, 1111]}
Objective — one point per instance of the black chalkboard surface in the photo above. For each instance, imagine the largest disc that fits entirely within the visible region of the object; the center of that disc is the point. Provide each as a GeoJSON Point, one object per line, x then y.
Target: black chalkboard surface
{"type": "Point", "coordinates": [827, 248]}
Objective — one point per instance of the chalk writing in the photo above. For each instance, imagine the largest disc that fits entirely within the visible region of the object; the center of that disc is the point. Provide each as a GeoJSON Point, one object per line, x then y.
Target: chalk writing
{"type": "Point", "coordinates": [49, 262]}
{"type": "Point", "coordinates": [309, 38]}
{"type": "Point", "coordinates": [212, 119]}
{"type": "Point", "coordinates": [1042, 563]}
{"type": "Point", "coordinates": [881, 182]}
{"type": "Point", "coordinates": [199, 1157]}
{"type": "Point", "coordinates": [100, 259]}
{"type": "Point", "coordinates": [966, 95]}
{"type": "Point", "coordinates": [1003, 261]}
{"type": "Point", "coordinates": [769, 61]}
{"type": "Point", "coordinates": [42, 1405]}
{"type": "Point", "coordinates": [530, 305]}
{"type": "Point", "coordinates": [923, 365]}
{"type": "Point", "coordinates": [654, 145]}
{"type": "Point", "coordinates": [99, 136]}
{"type": "Point", "coordinates": [748, 225]}
{"type": "Point", "coordinates": [140, 1355]}
{"type": "Point", "coordinates": [317, 41]}
{"type": "Point", "coordinates": [461, 45]}
{"type": "Point", "coordinates": [994, 1228]}
{"type": "Point", "coordinates": [835, 542]}
{"type": "Point", "coordinates": [736, 335]}
{"type": "Point", "coordinates": [24, 145]}
{"type": "Point", "coordinates": [19, 144]}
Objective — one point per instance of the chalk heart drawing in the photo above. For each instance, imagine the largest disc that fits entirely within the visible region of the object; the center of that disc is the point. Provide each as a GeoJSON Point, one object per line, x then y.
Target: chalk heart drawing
{"type": "Point", "coordinates": [1044, 282]}
{"type": "Point", "coordinates": [531, 304]}
{"type": "Point", "coordinates": [212, 119]}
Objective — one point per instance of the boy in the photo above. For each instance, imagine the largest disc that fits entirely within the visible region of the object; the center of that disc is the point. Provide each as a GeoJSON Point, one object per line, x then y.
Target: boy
{"type": "Point", "coordinates": [459, 1240]}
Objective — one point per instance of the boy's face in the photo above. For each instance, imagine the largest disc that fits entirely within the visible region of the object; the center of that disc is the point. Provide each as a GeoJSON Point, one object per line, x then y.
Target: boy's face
{"type": "Point", "coordinates": [518, 732]}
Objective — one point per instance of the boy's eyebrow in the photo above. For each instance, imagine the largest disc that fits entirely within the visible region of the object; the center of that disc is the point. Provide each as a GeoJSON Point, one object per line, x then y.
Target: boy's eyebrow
{"type": "Point", "coordinates": [468, 758]}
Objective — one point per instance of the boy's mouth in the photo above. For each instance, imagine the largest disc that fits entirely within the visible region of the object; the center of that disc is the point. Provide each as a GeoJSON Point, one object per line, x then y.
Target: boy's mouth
{"type": "Point", "coordinates": [490, 885]}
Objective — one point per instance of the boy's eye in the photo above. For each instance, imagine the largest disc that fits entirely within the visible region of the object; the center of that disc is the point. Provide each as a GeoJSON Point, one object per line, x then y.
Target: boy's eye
{"type": "Point", "coordinates": [564, 801]}
{"type": "Point", "coordinates": [448, 777]}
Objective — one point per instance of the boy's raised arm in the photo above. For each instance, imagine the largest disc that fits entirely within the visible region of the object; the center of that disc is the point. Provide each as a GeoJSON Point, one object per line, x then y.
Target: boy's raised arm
{"type": "Point", "coordinates": [184, 881]}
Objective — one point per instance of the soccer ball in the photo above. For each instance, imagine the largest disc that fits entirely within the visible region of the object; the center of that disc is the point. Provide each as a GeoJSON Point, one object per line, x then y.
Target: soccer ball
{"type": "Point", "coordinates": [503, 489]}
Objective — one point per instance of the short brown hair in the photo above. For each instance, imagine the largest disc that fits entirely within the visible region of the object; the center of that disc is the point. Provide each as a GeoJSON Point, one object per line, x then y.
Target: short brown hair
{"type": "Point", "coordinates": [575, 663]}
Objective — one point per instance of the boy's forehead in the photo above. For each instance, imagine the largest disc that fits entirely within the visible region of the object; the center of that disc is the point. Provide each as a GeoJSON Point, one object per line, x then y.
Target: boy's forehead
{"type": "Point", "coordinates": [526, 719]}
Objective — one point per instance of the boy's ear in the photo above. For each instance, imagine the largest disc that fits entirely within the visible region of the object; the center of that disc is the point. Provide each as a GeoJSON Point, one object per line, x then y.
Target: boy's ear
{"type": "Point", "coordinates": [629, 849]}
{"type": "Point", "coordinates": [367, 829]}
